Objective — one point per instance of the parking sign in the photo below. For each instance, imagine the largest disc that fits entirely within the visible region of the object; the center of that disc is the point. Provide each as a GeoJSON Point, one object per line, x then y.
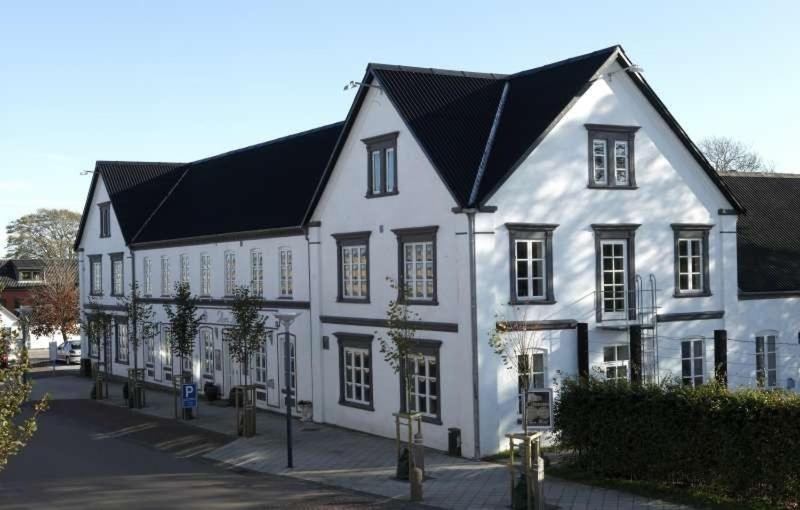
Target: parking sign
{"type": "Point", "coordinates": [190, 395]}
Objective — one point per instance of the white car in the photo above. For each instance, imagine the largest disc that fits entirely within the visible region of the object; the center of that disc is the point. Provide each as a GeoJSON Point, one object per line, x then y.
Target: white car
{"type": "Point", "coordinates": [69, 352]}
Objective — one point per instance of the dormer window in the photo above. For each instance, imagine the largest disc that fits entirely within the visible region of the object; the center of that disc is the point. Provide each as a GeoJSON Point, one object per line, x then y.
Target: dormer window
{"type": "Point", "coordinates": [611, 156]}
{"type": "Point", "coordinates": [382, 165]}
{"type": "Point", "coordinates": [105, 219]}
{"type": "Point", "coordinates": [30, 276]}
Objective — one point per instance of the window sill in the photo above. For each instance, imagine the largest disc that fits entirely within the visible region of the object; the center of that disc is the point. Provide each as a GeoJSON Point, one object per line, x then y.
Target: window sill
{"type": "Point", "coordinates": [532, 302]}
{"type": "Point", "coordinates": [431, 420]}
{"type": "Point", "coordinates": [354, 405]}
{"type": "Point", "coordinates": [208, 377]}
{"type": "Point", "coordinates": [433, 302]}
{"type": "Point", "coordinates": [605, 186]}
{"type": "Point", "coordinates": [379, 195]}
{"type": "Point", "coordinates": [96, 294]}
{"type": "Point", "coordinates": [352, 300]}
{"type": "Point", "coordinates": [286, 298]}
{"type": "Point", "coordinates": [680, 295]}
{"type": "Point", "coordinates": [118, 362]}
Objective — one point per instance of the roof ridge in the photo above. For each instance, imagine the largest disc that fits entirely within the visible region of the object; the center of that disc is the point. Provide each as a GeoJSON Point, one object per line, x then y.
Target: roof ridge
{"type": "Point", "coordinates": [782, 175]}
{"type": "Point", "coordinates": [565, 61]}
{"type": "Point", "coordinates": [436, 70]}
{"type": "Point", "coordinates": [118, 161]}
{"type": "Point", "coordinates": [263, 144]}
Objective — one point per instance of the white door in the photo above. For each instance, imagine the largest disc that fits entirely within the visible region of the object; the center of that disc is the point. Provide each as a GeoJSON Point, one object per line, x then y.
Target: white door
{"type": "Point", "coordinates": [614, 279]}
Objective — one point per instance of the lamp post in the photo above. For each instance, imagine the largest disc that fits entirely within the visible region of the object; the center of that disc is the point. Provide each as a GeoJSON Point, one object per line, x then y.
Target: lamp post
{"type": "Point", "coordinates": [286, 320]}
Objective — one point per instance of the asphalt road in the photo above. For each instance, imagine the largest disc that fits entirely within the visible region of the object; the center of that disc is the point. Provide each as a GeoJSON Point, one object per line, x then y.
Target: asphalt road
{"type": "Point", "coordinates": [92, 455]}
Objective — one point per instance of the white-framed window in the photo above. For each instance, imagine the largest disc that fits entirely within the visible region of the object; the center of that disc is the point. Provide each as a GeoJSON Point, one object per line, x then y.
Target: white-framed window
{"type": "Point", "coordinates": [692, 362]}
{"type": "Point", "coordinates": [96, 270]}
{"type": "Point", "coordinates": [357, 376]}
{"type": "Point", "coordinates": [147, 270]}
{"type": "Point", "coordinates": [105, 219]}
{"type": "Point", "coordinates": [185, 278]}
{"type": "Point", "coordinates": [116, 276]}
{"type": "Point", "coordinates": [122, 342]}
{"type": "Point", "coordinates": [615, 362]}
{"type": "Point", "coordinates": [391, 161]}
{"type": "Point", "coordinates": [166, 333]}
{"type": "Point", "coordinates": [285, 272]}
{"type": "Point", "coordinates": [382, 163]}
{"type": "Point", "coordinates": [534, 365]}
{"type": "Point", "coordinates": [600, 161]}
{"type": "Point", "coordinates": [149, 348]}
{"type": "Point", "coordinates": [377, 173]}
{"type": "Point", "coordinates": [418, 260]}
{"type": "Point", "coordinates": [260, 361]}
{"type": "Point", "coordinates": [424, 385]}
{"type": "Point", "coordinates": [205, 274]}
{"type": "Point", "coordinates": [354, 271]}
{"type": "Point", "coordinates": [165, 275]}
{"type": "Point", "coordinates": [621, 162]}
{"type": "Point", "coordinates": [230, 273]}
{"type": "Point", "coordinates": [614, 278]}
{"type": "Point", "coordinates": [530, 268]}
{"type": "Point", "coordinates": [207, 339]}
{"type": "Point", "coordinates": [767, 360]}
{"type": "Point", "coordinates": [292, 365]}
{"type": "Point", "coordinates": [690, 265]}
{"type": "Point", "coordinates": [256, 272]}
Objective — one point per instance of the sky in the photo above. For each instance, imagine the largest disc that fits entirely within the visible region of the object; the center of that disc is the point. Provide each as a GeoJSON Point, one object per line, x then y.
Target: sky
{"type": "Point", "coordinates": [82, 81]}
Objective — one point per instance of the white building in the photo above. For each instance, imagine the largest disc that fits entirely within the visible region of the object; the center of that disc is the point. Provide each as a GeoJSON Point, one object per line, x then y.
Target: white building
{"type": "Point", "coordinates": [549, 196]}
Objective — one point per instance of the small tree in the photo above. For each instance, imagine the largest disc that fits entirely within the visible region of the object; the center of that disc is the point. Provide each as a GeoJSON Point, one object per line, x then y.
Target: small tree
{"type": "Point", "coordinates": [140, 319]}
{"type": "Point", "coordinates": [96, 325]}
{"type": "Point", "coordinates": [14, 392]}
{"type": "Point", "coordinates": [515, 340]}
{"type": "Point", "coordinates": [54, 304]}
{"type": "Point", "coordinates": [249, 329]}
{"type": "Point", "coordinates": [184, 323]}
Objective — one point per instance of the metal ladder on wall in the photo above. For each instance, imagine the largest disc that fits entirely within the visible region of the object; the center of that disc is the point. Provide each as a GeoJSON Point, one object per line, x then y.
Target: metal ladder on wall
{"type": "Point", "coordinates": [647, 319]}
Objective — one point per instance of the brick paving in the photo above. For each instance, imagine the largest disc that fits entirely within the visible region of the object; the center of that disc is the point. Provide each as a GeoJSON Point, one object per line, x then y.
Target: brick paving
{"type": "Point", "coordinates": [361, 462]}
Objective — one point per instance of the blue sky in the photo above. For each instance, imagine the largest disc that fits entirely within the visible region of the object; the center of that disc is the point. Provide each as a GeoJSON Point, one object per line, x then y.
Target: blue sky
{"type": "Point", "coordinates": [177, 81]}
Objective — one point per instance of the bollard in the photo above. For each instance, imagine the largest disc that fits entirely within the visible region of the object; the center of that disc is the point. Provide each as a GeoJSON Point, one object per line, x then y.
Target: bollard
{"type": "Point", "coordinates": [418, 452]}
{"type": "Point", "coordinates": [416, 484]}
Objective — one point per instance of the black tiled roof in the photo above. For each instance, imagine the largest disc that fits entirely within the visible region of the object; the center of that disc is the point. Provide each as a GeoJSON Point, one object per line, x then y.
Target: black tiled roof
{"type": "Point", "coordinates": [264, 186]}
{"type": "Point", "coordinates": [135, 189]}
{"type": "Point", "coordinates": [768, 233]}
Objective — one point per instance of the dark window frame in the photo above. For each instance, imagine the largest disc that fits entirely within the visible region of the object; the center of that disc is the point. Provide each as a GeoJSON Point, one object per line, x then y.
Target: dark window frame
{"type": "Point", "coordinates": [114, 257]}
{"type": "Point", "coordinates": [612, 133]}
{"type": "Point", "coordinates": [345, 240]}
{"type": "Point", "coordinates": [92, 260]}
{"type": "Point", "coordinates": [381, 143]}
{"type": "Point", "coordinates": [355, 341]}
{"type": "Point", "coordinates": [615, 232]}
{"type": "Point", "coordinates": [531, 232]}
{"type": "Point", "coordinates": [414, 235]}
{"type": "Point", "coordinates": [425, 347]}
{"type": "Point", "coordinates": [105, 219]}
{"type": "Point", "coordinates": [119, 321]}
{"type": "Point", "coordinates": [691, 231]}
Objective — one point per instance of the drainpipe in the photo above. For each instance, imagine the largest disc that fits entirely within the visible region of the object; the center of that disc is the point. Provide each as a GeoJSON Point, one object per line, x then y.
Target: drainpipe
{"type": "Point", "coordinates": [473, 304]}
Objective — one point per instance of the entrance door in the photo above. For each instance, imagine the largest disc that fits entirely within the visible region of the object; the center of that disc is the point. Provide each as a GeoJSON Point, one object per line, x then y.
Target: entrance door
{"type": "Point", "coordinates": [614, 279]}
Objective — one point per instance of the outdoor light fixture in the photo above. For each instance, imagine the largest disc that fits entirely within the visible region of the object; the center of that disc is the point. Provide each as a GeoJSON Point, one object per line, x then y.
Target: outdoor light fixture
{"type": "Point", "coordinates": [633, 68]}
{"type": "Point", "coordinates": [355, 84]}
{"type": "Point", "coordinates": [286, 320]}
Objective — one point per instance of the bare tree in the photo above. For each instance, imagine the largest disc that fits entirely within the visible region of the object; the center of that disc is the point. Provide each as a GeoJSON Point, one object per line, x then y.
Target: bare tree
{"type": "Point", "coordinates": [45, 234]}
{"type": "Point", "coordinates": [729, 155]}
{"type": "Point", "coordinates": [249, 330]}
{"type": "Point", "coordinates": [515, 340]}
{"type": "Point", "coordinates": [55, 304]}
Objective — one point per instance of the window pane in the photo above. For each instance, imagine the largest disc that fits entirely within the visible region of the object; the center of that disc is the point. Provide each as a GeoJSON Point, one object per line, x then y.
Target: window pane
{"type": "Point", "coordinates": [698, 349]}
{"type": "Point", "coordinates": [698, 366]}
{"type": "Point", "coordinates": [686, 368]}
{"type": "Point", "coordinates": [686, 350]}
{"type": "Point", "coordinates": [377, 185]}
{"type": "Point", "coordinates": [522, 249]}
{"type": "Point", "coordinates": [609, 354]}
{"type": "Point", "coordinates": [622, 352]}
{"type": "Point", "coordinates": [522, 269]}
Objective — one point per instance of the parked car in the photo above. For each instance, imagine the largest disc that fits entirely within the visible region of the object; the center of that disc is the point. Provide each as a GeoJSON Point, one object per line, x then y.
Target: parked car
{"type": "Point", "coordinates": [69, 352]}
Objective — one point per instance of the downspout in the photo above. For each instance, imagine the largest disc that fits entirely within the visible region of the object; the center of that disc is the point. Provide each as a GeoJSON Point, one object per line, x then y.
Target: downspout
{"type": "Point", "coordinates": [310, 315]}
{"type": "Point", "coordinates": [136, 322]}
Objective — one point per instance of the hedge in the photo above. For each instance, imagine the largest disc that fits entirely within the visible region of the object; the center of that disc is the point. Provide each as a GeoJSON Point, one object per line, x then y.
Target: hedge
{"type": "Point", "coordinates": [743, 444]}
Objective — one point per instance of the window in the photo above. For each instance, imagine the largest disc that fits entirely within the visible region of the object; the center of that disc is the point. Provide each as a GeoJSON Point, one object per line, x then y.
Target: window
{"type": "Point", "coordinates": [147, 269]}
{"type": "Point", "coordinates": [105, 219]}
{"type": "Point", "coordinates": [532, 364]}
{"type": "Point", "coordinates": [285, 272]}
{"type": "Point", "coordinates": [615, 362]}
{"type": "Point", "coordinates": [614, 247]}
{"type": "Point", "coordinates": [692, 362]}
{"type": "Point", "coordinates": [353, 255]}
{"type": "Point", "coordinates": [30, 276]}
{"type": "Point", "coordinates": [766, 360]}
{"type": "Point", "coordinates": [167, 353]}
{"type": "Point", "coordinates": [602, 139]}
{"type": "Point", "coordinates": [382, 165]}
{"type": "Point", "coordinates": [122, 342]}
{"type": "Point", "coordinates": [355, 370]}
{"type": "Point", "coordinates": [691, 260]}
{"type": "Point", "coordinates": [423, 365]}
{"type": "Point", "coordinates": [165, 276]}
{"type": "Point", "coordinates": [96, 274]}
{"type": "Point", "coordinates": [260, 360]}
{"type": "Point", "coordinates": [116, 274]}
{"type": "Point", "coordinates": [230, 273]}
{"type": "Point", "coordinates": [207, 341]}
{"type": "Point", "coordinates": [205, 274]}
{"type": "Point", "coordinates": [184, 269]}
{"type": "Point", "coordinates": [417, 264]}
{"type": "Point", "coordinates": [149, 346]}
{"type": "Point", "coordinates": [256, 273]}
{"type": "Point", "coordinates": [531, 256]}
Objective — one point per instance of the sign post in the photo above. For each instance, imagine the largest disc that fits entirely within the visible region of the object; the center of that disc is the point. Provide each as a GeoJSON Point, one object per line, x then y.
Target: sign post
{"type": "Point", "coordinates": [189, 395]}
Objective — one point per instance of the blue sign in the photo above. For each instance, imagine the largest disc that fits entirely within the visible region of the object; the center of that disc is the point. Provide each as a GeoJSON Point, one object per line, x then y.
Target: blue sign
{"type": "Point", "coordinates": [190, 395]}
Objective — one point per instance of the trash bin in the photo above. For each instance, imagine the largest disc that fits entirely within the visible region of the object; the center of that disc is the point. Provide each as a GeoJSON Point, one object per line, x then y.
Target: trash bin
{"type": "Point", "coordinates": [454, 441]}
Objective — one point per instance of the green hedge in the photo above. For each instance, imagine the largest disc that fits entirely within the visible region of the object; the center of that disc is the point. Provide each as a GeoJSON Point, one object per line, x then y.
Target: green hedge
{"type": "Point", "coordinates": [744, 444]}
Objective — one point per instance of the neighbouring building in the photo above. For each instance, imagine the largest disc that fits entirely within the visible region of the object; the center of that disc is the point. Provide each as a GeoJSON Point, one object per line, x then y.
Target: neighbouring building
{"type": "Point", "coordinates": [17, 278]}
{"type": "Point", "coordinates": [565, 196]}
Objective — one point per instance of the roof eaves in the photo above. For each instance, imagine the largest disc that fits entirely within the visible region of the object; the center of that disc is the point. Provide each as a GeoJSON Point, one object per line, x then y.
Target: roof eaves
{"type": "Point", "coordinates": [87, 204]}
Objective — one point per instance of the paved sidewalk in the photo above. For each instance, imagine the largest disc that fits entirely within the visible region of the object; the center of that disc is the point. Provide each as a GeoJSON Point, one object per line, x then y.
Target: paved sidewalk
{"type": "Point", "coordinates": [362, 462]}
